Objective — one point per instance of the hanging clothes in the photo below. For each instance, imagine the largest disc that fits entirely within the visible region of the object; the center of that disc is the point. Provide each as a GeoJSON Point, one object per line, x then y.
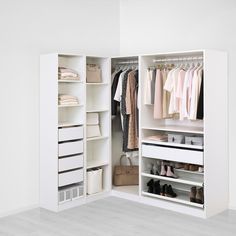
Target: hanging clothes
{"type": "Point", "coordinates": [131, 110]}
{"type": "Point", "coordinates": [200, 107]}
{"type": "Point", "coordinates": [114, 103]}
{"type": "Point", "coordinates": [158, 101]}
{"type": "Point", "coordinates": [149, 89]}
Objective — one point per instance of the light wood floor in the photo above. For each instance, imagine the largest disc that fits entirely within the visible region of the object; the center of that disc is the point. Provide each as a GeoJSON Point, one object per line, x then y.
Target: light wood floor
{"type": "Point", "coordinates": [116, 217]}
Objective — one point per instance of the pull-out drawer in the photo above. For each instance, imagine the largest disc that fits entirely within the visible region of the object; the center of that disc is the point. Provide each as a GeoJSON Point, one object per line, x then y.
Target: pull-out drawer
{"type": "Point", "coordinates": [70, 177]}
{"type": "Point", "coordinates": [70, 163]}
{"type": "Point", "coordinates": [70, 133]}
{"type": "Point", "coordinates": [70, 148]}
{"type": "Point", "coordinates": [172, 154]}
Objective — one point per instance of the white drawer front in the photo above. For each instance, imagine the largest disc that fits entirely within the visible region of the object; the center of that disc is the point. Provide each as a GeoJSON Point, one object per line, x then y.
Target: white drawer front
{"type": "Point", "coordinates": [70, 148]}
{"type": "Point", "coordinates": [70, 133]}
{"type": "Point", "coordinates": [70, 163]}
{"type": "Point", "coordinates": [172, 154]}
{"type": "Point", "coordinates": [70, 177]}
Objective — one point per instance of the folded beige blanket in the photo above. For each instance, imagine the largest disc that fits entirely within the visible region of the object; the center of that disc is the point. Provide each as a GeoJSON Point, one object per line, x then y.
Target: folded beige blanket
{"type": "Point", "coordinates": [159, 137]}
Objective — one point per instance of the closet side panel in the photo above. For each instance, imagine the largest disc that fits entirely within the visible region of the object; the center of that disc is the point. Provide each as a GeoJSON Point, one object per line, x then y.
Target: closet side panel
{"type": "Point", "coordinates": [48, 132]}
{"type": "Point", "coordinates": [216, 132]}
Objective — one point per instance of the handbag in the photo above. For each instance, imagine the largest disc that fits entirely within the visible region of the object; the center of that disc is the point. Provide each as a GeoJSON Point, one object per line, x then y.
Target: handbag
{"type": "Point", "coordinates": [126, 175]}
{"type": "Point", "coordinates": [93, 73]}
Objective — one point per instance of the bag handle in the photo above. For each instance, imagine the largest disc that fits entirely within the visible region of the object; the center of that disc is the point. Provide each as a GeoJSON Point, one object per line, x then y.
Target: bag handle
{"type": "Point", "coordinates": [121, 157]}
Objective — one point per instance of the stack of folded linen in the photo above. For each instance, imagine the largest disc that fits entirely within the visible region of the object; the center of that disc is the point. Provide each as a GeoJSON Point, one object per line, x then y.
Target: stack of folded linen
{"type": "Point", "coordinates": [64, 99]}
{"type": "Point", "coordinates": [67, 74]}
{"type": "Point", "coordinates": [159, 138]}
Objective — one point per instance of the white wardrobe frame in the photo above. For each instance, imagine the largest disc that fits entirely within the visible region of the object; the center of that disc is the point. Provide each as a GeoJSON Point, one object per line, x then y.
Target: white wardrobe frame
{"type": "Point", "coordinates": [215, 137]}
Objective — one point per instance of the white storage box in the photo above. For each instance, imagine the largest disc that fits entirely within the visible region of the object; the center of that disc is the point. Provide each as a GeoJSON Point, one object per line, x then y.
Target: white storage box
{"type": "Point", "coordinates": [175, 138]}
{"type": "Point", "coordinates": [93, 131]}
{"type": "Point", "coordinates": [70, 148]}
{"type": "Point", "coordinates": [94, 181]}
{"type": "Point", "coordinates": [70, 193]}
{"type": "Point", "coordinates": [71, 177]}
{"type": "Point", "coordinates": [194, 140]}
{"type": "Point", "coordinates": [70, 133]}
{"type": "Point", "coordinates": [92, 118]}
{"type": "Point", "coordinates": [70, 163]}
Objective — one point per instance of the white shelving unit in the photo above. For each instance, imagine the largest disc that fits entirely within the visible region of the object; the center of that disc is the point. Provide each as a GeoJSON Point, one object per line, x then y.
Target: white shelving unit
{"type": "Point", "coordinates": [65, 151]}
{"type": "Point", "coordinates": [58, 122]}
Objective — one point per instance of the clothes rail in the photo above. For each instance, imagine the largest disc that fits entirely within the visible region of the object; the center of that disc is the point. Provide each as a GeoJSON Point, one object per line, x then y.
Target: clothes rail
{"type": "Point", "coordinates": [127, 62]}
{"type": "Point", "coordinates": [178, 59]}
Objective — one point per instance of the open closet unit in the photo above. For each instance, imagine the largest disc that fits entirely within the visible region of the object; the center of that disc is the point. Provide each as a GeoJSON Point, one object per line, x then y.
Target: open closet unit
{"type": "Point", "coordinates": [180, 147]}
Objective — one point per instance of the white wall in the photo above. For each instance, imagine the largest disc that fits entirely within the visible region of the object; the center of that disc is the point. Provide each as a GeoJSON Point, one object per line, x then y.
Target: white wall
{"type": "Point", "coordinates": [154, 25]}
{"type": "Point", "coordinates": [29, 28]}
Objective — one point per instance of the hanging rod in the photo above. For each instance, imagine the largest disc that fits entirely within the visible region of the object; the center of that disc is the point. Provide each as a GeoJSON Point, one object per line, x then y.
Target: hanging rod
{"type": "Point", "coordinates": [127, 62]}
{"type": "Point", "coordinates": [178, 59]}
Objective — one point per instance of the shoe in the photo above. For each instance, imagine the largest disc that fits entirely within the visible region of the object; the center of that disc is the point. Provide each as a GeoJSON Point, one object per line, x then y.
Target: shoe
{"type": "Point", "coordinates": [163, 169]}
{"type": "Point", "coordinates": [186, 166]}
{"type": "Point", "coordinates": [150, 168]}
{"type": "Point", "coordinates": [155, 169]}
{"type": "Point", "coordinates": [170, 172]}
{"type": "Point", "coordinates": [193, 194]}
{"type": "Point", "coordinates": [163, 190]}
{"type": "Point", "coordinates": [169, 192]}
{"type": "Point", "coordinates": [200, 196]}
{"type": "Point", "coordinates": [157, 187]}
{"type": "Point", "coordinates": [150, 185]}
{"type": "Point", "coordinates": [179, 165]}
{"type": "Point", "coordinates": [201, 169]}
{"type": "Point", "coordinates": [193, 167]}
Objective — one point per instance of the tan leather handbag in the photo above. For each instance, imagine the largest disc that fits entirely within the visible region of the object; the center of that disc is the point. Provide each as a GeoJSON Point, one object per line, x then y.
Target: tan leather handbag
{"type": "Point", "coordinates": [126, 175]}
{"type": "Point", "coordinates": [93, 74]}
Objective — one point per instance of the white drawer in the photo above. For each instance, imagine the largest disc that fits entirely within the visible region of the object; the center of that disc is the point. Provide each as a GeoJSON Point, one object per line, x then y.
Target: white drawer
{"type": "Point", "coordinates": [70, 133]}
{"type": "Point", "coordinates": [173, 154]}
{"type": "Point", "coordinates": [70, 163]}
{"type": "Point", "coordinates": [70, 148]}
{"type": "Point", "coordinates": [71, 177]}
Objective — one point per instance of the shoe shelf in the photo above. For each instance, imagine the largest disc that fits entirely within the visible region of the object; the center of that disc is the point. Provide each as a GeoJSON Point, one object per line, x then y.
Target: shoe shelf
{"type": "Point", "coordinates": [189, 172]}
{"type": "Point", "coordinates": [182, 198]}
{"type": "Point", "coordinates": [178, 180]}
{"type": "Point", "coordinates": [172, 144]}
{"type": "Point", "coordinates": [176, 128]}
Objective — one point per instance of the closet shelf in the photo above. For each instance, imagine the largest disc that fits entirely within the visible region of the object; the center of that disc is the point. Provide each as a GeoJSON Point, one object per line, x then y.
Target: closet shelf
{"type": "Point", "coordinates": [182, 198]}
{"type": "Point", "coordinates": [96, 163]}
{"type": "Point", "coordinates": [189, 172]}
{"type": "Point", "coordinates": [97, 110]}
{"type": "Point", "coordinates": [97, 138]}
{"type": "Point", "coordinates": [96, 84]}
{"type": "Point", "coordinates": [172, 144]}
{"type": "Point", "coordinates": [177, 128]}
{"type": "Point", "coordinates": [68, 124]}
{"type": "Point", "coordinates": [179, 180]}
{"type": "Point", "coordinates": [74, 105]}
{"type": "Point", "coordinates": [70, 81]}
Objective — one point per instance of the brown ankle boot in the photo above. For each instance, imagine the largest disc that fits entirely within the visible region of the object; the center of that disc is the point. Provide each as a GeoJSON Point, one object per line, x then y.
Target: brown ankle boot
{"type": "Point", "coordinates": [193, 167]}
{"type": "Point", "coordinates": [186, 166]}
{"type": "Point", "coordinates": [193, 194]}
{"type": "Point", "coordinates": [200, 196]}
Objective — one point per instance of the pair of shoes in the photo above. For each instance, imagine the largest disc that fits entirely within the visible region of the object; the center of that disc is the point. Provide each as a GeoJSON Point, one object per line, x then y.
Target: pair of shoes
{"type": "Point", "coordinates": [197, 195]}
{"type": "Point", "coordinates": [154, 186]}
{"type": "Point", "coordinates": [153, 169]}
{"type": "Point", "coordinates": [167, 191]}
{"type": "Point", "coordinates": [167, 171]}
{"type": "Point", "coordinates": [191, 167]}
{"type": "Point", "coordinates": [201, 169]}
{"type": "Point", "coordinates": [178, 165]}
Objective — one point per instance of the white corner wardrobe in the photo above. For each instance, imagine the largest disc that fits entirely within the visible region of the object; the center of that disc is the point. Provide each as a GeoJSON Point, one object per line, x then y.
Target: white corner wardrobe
{"type": "Point", "coordinates": [68, 154]}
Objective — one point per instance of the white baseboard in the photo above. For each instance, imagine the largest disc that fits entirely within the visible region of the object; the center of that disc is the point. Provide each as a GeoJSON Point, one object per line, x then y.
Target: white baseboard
{"type": "Point", "coordinates": [17, 211]}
